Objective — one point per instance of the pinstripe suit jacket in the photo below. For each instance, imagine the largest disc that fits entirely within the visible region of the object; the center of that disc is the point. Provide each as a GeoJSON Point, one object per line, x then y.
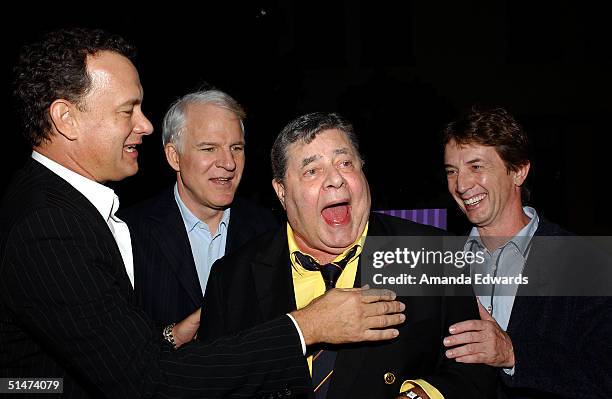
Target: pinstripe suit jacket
{"type": "Point", "coordinates": [67, 310]}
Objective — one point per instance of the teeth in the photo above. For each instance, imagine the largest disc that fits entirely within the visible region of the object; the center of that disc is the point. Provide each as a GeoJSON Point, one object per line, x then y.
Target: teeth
{"type": "Point", "coordinates": [474, 200]}
{"type": "Point", "coordinates": [130, 148]}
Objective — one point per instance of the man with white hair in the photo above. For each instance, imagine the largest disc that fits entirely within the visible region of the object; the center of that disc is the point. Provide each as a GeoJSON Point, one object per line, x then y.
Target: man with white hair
{"type": "Point", "coordinates": [181, 232]}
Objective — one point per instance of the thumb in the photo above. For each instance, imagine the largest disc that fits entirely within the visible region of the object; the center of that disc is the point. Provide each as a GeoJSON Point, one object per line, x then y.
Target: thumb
{"type": "Point", "coordinates": [484, 315]}
{"type": "Point", "coordinates": [195, 316]}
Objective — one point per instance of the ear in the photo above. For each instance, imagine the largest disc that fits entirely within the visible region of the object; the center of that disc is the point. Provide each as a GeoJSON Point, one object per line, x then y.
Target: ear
{"type": "Point", "coordinates": [62, 113]}
{"type": "Point", "coordinates": [172, 156]}
{"type": "Point", "coordinates": [521, 174]}
{"type": "Point", "coordinates": [280, 191]}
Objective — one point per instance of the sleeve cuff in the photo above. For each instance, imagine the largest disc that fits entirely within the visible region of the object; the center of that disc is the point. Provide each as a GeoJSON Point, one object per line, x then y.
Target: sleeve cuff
{"type": "Point", "coordinates": [429, 389]}
{"type": "Point", "coordinates": [300, 334]}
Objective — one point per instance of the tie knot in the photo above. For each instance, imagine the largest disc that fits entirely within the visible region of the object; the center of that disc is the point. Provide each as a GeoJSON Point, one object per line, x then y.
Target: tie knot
{"type": "Point", "coordinates": [330, 271]}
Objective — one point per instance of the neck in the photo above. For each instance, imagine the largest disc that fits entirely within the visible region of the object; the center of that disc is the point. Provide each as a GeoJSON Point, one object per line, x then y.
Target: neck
{"type": "Point", "coordinates": [63, 156]}
{"type": "Point", "coordinates": [497, 234]}
{"type": "Point", "coordinates": [322, 257]}
{"type": "Point", "coordinates": [212, 217]}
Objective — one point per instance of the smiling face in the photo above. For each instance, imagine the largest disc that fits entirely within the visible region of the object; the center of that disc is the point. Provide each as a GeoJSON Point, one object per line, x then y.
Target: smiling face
{"type": "Point", "coordinates": [110, 121]}
{"type": "Point", "coordinates": [209, 158]}
{"type": "Point", "coordinates": [325, 194]}
{"type": "Point", "coordinates": [485, 190]}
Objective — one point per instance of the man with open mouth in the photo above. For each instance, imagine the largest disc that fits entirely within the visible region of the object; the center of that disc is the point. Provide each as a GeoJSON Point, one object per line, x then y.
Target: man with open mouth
{"type": "Point", "coordinates": [318, 178]}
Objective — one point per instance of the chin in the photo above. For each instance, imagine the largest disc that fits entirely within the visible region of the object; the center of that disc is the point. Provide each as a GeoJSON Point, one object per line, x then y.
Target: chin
{"type": "Point", "coordinates": [339, 242]}
{"type": "Point", "coordinates": [225, 201]}
{"type": "Point", "coordinates": [129, 173]}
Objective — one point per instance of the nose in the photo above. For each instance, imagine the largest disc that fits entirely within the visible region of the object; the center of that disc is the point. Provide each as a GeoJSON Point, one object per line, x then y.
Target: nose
{"type": "Point", "coordinates": [226, 160]}
{"type": "Point", "coordinates": [464, 182]}
{"type": "Point", "coordinates": [333, 179]}
{"type": "Point", "coordinates": [143, 125]}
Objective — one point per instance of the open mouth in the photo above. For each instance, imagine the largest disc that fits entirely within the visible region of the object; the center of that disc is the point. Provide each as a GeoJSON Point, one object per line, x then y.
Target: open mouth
{"type": "Point", "coordinates": [130, 148]}
{"type": "Point", "coordinates": [475, 200]}
{"type": "Point", "coordinates": [337, 214]}
{"type": "Point", "coordinates": [221, 180]}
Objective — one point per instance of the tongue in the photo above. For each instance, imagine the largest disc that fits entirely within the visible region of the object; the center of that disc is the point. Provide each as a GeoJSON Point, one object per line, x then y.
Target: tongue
{"type": "Point", "coordinates": [336, 214]}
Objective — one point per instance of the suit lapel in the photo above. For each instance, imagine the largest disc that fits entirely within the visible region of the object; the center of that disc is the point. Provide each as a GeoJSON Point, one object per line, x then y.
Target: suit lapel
{"type": "Point", "coordinates": [239, 229]}
{"type": "Point", "coordinates": [88, 210]}
{"type": "Point", "coordinates": [537, 256]}
{"type": "Point", "coordinates": [351, 357]}
{"type": "Point", "coordinates": [168, 229]}
{"type": "Point", "coordinates": [349, 361]}
{"type": "Point", "coordinates": [272, 275]}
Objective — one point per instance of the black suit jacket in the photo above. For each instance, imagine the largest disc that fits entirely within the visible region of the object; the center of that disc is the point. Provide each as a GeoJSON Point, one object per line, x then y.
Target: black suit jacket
{"type": "Point", "coordinates": [67, 310]}
{"type": "Point", "coordinates": [561, 344]}
{"type": "Point", "coordinates": [166, 282]}
{"type": "Point", "coordinates": [255, 285]}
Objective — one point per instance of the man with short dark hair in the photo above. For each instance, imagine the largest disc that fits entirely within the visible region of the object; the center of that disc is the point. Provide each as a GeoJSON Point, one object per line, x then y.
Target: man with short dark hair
{"type": "Point", "coordinates": [319, 180]}
{"type": "Point", "coordinates": [545, 347]}
{"type": "Point", "coordinates": [67, 307]}
{"type": "Point", "coordinates": [178, 234]}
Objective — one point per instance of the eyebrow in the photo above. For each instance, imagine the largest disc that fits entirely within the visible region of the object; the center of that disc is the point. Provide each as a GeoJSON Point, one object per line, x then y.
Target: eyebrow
{"type": "Point", "coordinates": [309, 160]}
{"type": "Point", "coordinates": [212, 143]}
{"type": "Point", "coordinates": [203, 143]}
{"type": "Point", "coordinates": [134, 101]}
{"type": "Point", "coordinates": [472, 161]}
{"type": "Point", "coordinates": [341, 151]}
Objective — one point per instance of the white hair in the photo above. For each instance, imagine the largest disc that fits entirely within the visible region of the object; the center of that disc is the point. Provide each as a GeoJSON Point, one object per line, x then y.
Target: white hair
{"type": "Point", "coordinates": [174, 120]}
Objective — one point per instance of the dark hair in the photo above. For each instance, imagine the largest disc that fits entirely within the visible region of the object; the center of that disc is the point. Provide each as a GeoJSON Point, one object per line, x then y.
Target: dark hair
{"type": "Point", "coordinates": [55, 67]}
{"type": "Point", "coordinates": [494, 127]}
{"type": "Point", "coordinates": [305, 128]}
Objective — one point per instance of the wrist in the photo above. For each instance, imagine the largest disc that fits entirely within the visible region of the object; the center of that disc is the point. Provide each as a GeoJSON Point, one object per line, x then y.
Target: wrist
{"type": "Point", "coordinates": [168, 334]}
{"type": "Point", "coordinates": [511, 361]}
{"type": "Point", "coordinates": [306, 327]}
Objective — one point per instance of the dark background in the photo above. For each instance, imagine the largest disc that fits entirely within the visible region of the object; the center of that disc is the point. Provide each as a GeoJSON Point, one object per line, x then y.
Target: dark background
{"type": "Point", "coordinates": [399, 70]}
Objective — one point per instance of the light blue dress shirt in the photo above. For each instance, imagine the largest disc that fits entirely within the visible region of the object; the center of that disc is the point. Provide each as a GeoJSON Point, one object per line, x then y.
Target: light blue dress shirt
{"type": "Point", "coordinates": [507, 260]}
{"type": "Point", "coordinates": [205, 247]}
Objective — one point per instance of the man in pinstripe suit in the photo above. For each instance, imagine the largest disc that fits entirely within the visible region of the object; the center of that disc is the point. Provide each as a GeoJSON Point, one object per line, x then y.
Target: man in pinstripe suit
{"type": "Point", "coordinates": [67, 307]}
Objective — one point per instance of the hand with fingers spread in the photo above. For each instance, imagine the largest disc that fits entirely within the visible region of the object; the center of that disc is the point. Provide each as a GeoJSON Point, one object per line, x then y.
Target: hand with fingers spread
{"type": "Point", "coordinates": [350, 315]}
{"type": "Point", "coordinates": [480, 341]}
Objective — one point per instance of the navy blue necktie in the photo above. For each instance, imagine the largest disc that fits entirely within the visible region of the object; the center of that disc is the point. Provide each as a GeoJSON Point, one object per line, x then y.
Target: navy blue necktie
{"type": "Point", "coordinates": [323, 360]}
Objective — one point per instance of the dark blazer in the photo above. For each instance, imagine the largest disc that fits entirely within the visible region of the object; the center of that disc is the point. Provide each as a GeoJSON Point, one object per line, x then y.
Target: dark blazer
{"type": "Point", "coordinates": [561, 344]}
{"type": "Point", "coordinates": [255, 285]}
{"type": "Point", "coordinates": [166, 282]}
{"type": "Point", "coordinates": [67, 310]}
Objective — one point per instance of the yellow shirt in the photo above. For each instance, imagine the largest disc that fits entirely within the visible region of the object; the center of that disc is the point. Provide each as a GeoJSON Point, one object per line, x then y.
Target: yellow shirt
{"type": "Point", "coordinates": [308, 285]}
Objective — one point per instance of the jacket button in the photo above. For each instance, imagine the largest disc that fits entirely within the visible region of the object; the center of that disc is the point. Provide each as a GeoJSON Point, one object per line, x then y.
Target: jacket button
{"type": "Point", "coordinates": [389, 378]}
